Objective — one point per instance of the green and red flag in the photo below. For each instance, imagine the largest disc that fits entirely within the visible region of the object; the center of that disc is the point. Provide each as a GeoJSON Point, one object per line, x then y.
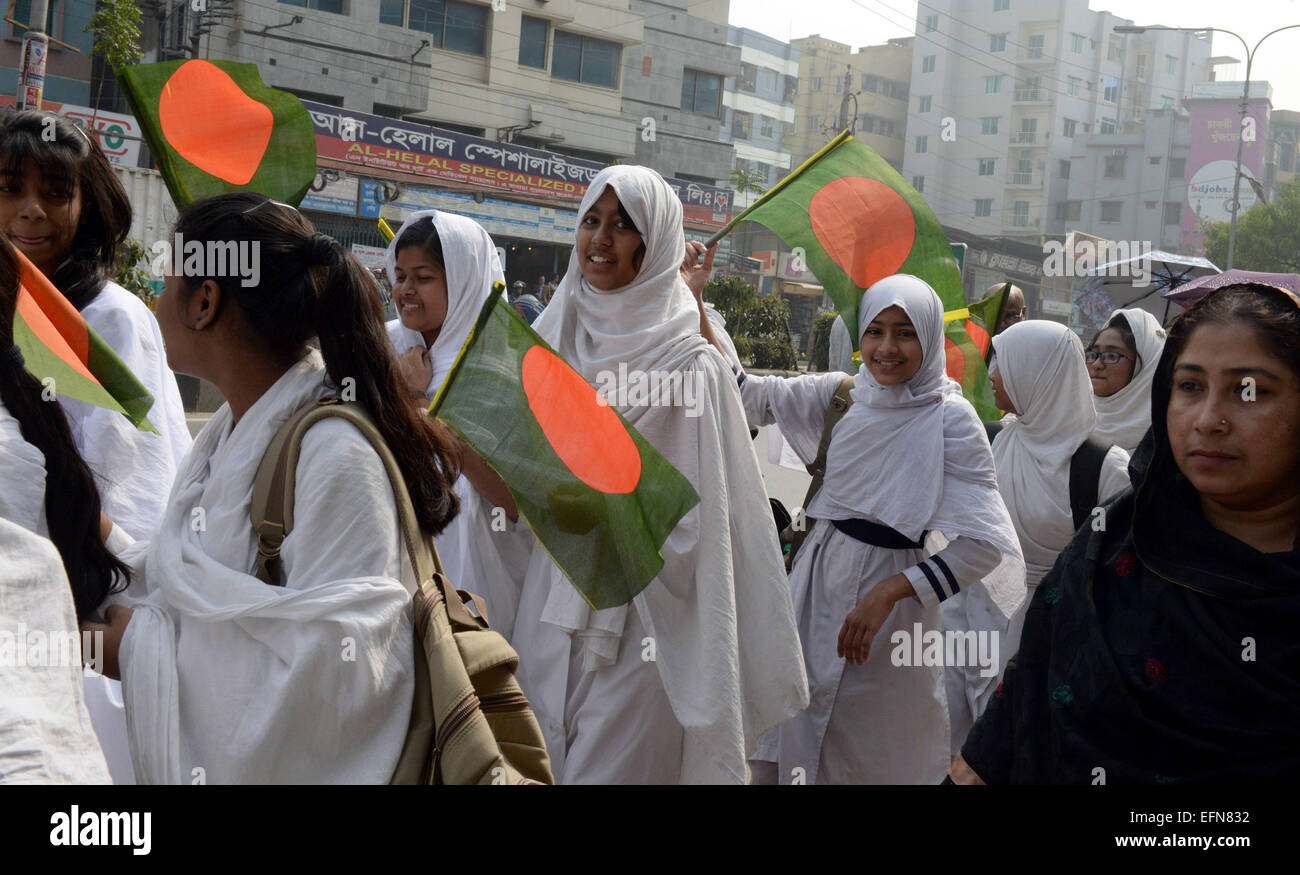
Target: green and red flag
{"type": "Point", "coordinates": [214, 127]}
{"type": "Point", "coordinates": [59, 346]}
{"type": "Point", "coordinates": [599, 498]}
{"type": "Point", "coordinates": [857, 221]}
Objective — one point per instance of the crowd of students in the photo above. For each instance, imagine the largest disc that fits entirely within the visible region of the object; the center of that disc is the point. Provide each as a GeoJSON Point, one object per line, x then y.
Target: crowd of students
{"type": "Point", "coordinates": [1153, 641]}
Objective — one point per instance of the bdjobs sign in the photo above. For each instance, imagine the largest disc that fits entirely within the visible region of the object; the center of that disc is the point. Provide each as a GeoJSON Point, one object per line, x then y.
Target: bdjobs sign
{"type": "Point", "coordinates": [375, 141]}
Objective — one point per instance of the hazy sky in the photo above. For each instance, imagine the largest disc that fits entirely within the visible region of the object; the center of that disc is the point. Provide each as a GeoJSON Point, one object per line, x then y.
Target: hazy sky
{"type": "Point", "coordinates": [871, 22]}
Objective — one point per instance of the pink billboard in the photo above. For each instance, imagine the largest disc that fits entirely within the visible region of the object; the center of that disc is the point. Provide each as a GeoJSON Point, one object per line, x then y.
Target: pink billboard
{"type": "Point", "coordinates": [1216, 126]}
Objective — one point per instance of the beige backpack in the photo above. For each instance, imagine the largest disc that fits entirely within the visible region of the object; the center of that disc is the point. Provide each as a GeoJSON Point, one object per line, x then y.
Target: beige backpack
{"type": "Point", "coordinates": [470, 722]}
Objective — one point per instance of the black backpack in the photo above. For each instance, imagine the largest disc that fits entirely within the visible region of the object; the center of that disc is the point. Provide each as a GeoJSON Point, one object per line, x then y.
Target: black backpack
{"type": "Point", "coordinates": [1085, 471]}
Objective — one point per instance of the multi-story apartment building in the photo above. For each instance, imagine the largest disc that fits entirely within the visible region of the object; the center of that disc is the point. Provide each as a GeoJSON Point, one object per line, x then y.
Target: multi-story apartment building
{"type": "Point", "coordinates": [1000, 89]}
{"type": "Point", "coordinates": [67, 73]}
{"type": "Point", "coordinates": [873, 78]}
{"type": "Point", "coordinates": [1284, 125]}
{"type": "Point", "coordinates": [672, 87]}
{"type": "Point", "coordinates": [759, 108]}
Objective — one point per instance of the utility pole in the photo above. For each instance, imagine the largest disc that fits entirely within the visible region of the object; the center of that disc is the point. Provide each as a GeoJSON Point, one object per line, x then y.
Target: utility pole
{"type": "Point", "coordinates": [845, 120]}
{"type": "Point", "coordinates": [35, 49]}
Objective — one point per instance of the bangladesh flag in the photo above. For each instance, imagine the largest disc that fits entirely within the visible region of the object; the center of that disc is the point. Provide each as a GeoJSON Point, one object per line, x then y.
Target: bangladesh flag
{"type": "Point", "coordinates": [213, 127]}
{"type": "Point", "coordinates": [857, 221]}
{"type": "Point", "coordinates": [599, 498]}
{"type": "Point", "coordinates": [59, 346]}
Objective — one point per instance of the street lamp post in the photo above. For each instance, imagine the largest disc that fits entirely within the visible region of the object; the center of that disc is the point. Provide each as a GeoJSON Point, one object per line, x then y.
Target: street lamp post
{"type": "Point", "coordinates": [1245, 102]}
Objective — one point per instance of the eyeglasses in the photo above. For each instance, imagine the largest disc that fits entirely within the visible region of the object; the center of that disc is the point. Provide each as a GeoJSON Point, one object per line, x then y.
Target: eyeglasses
{"type": "Point", "coordinates": [1107, 358]}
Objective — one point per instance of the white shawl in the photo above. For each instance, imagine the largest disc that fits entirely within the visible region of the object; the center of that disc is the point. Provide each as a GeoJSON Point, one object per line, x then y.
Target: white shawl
{"type": "Point", "coordinates": [472, 266]}
{"type": "Point", "coordinates": [229, 680]}
{"type": "Point", "coordinates": [45, 730]}
{"type": "Point", "coordinates": [1123, 418]}
{"type": "Point", "coordinates": [1043, 373]}
{"type": "Point", "coordinates": [720, 609]}
{"type": "Point", "coordinates": [914, 456]}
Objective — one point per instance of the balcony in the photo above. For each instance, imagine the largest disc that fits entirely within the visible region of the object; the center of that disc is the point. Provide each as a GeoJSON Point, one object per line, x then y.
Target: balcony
{"type": "Point", "coordinates": [1032, 95]}
{"type": "Point", "coordinates": [1028, 138]}
{"type": "Point", "coordinates": [1034, 56]}
{"type": "Point", "coordinates": [1021, 177]}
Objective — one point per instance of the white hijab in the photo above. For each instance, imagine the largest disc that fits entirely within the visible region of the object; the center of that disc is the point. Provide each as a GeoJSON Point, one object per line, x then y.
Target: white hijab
{"type": "Point", "coordinates": [720, 609]}
{"type": "Point", "coordinates": [914, 456]}
{"type": "Point", "coordinates": [472, 267]}
{"type": "Point", "coordinates": [1044, 375]}
{"type": "Point", "coordinates": [652, 323]}
{"type": "Point", "coordinates": [1123, 418]}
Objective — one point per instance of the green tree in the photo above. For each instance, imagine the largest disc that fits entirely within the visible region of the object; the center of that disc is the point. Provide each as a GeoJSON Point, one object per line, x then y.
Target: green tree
{"type": "Point", "coordinates": [131, 272]}
{"type": "Point", "coordinates": [1268, 235]}
{"type": "Point", "coordinates": [733, 297]}
{"type": "Point", "coordinates": [748, 181]}
{"type": "Point", "coordinates": [819, 348]}
{"type": "Point", "coordinates": [115, 28]}
{"type": "Point", "coordinates": [759, 326]}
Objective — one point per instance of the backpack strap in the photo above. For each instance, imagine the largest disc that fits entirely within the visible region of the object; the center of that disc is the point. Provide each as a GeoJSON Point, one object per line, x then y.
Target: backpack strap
{"type": "Point", "coordinates": [271, 509]}
{"type": "Point", "coordinates": [840, 403]}
{"type": "Point", "coordinates": [1085, 471]}
{"type": "Point", "coordinates": [992, 428]}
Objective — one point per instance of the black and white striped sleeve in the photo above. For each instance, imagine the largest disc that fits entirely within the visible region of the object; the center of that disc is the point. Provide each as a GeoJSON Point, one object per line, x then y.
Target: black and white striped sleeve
{"type": "Point", "coordinates": [960, 565]}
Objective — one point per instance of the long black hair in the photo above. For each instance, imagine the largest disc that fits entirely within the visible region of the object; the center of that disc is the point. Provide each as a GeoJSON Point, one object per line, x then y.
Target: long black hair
{"type": "Point", "coordinates": [72, 508]}
{"type": "Point", "coordinates": [310, 286]}
{"type": "Point", "coordinates": [71, 159]}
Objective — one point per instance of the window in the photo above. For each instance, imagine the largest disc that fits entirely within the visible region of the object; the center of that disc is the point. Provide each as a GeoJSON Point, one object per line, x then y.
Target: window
{"type": "Point", "coordinates": [988, 166]}
{"type": "Point", "coordinates": [983, 206]}
{"type": "Point", "coordinates": [1141, 66]}
{"type": "Point", "coordinates": [1173, 213]}
{"type": "Point", "coordinates": [1150, 205]}
{"type": "Point", "coordinates": [335, 6]}
{"type": "Point", "coordinates": [591, 61]}
{"type": "Point", "coordinates": [1115, 166]}
{"type": "Point", "coordinates": [1111, 211]}
{"type": "Point", "coordinates": [1166, 103]}
{"type": "Point", "coordinates": [1177, 168]}
{"type": "Point", "coordinates": [1063, 169]}
{"type": "Point", "coordinates": [997, 42]}
{"type": "Point", "coordinates": [839, 85]}
{"type": "Point", "coordinates": [927, 64]}
{"type": "Point", "coordinates": [1112, 49]}
{"type": "Point", "coordinates": [918, 183]}
{"type": "Point", "coordinates": [931, 25]}
{"type": "Point", "coordinates": [814, 122]}
{"type": "Point", "coordinates": [748, 78]}
{"type": "Point", "coordinates": [923, 104]}
{"type": "Point", "coordinates": [989, 126]}
{"type": "Point", "coordinates": [870, 83]}
{"type": "Point", "coordinates": [702, 93]}
{"type": "Point", "coordinates": [1072, 85]}
{"type": "Point", "coordinates": [532, 42]}
{"type": "Point", "coordinates": [461, 27]}
{"type": "Point", "coordinates": [817, 83]}
{"type": "Point", "coordinates": [1063, 212]}
{"type": "Point", "coordinates": [1036, 43]}
{"type": "Point", "coordinates": [1069, 127]}
{"type": "Point", "coordinates": [1111, 94]}
{"type": "Point", "coordinates": [741, 124]}
{"type": "Point", "coordinates": [922, 143]}
{"type": "Point", "coordinates": [1171, 65]}
{"type": "Point", "coordinates": [1076, 43]}
{"type": "Point", "coordinates": [1107, 126]}
{"type": "Point", "coordinates": [23, 12]}
{"type": "Point", "coordinates": [1001, 5]}
{"type": "Point", "coordinates": [765, 125]}
{"type": "Point", "coordinates": [768, 79]}
{"type": "Point", "coordinates": [1020, 214]}
{"type": "Point", "coordinates": [992, 84]}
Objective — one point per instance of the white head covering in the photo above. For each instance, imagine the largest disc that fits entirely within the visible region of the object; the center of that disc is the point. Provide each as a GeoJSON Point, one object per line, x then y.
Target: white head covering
{"type": "Point", "coordinates": [914, 456]}
{"type": "Point", "coordinates": [1123, 418]}
{"type": "Point", "coordinates": [1044, 375]}
{"type": "Point", "coordinates": [472, 267]}
{"type": "Point", "coordinates": [652, 323]}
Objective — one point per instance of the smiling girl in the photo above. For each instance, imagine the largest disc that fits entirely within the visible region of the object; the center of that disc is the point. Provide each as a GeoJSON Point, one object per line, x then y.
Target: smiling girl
{"type": "Point", "coordinates": [64, 209]}
{"type": "Point", "coordinates": [909, 457]}
{"type": "Point", "coordinates": [677, 686]}
{"type": "Point", "coordinates": [442, 267]}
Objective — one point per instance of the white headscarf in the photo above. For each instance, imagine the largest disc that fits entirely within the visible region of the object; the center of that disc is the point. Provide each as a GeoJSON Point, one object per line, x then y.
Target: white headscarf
{"type": "Point", "coordinates": [1123, 418]}
{"type": "Point", "coordinates": [1043, 373]}
{"type": "Point", "coordinates": [472, 267]}
{"type": "Point", "coordinates": [914, 456]}
{"type": "Point", "coordinates": [652, 323]}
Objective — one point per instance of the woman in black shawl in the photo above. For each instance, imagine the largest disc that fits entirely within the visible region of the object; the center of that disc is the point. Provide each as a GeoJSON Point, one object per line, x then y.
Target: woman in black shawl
{"type": "Point", "coordinates": [1165, 648]}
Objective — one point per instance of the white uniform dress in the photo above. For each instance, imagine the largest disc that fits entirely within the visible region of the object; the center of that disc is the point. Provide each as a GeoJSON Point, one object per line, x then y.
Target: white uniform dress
{"type": "Point", "coordinates": [231, 681]}
{"type": "Point", "coordinates": [912, 458]}
{"type": "Point", "coordinates": [678, 685]}
{"type": "Point", "coordinates": [481, 549]}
